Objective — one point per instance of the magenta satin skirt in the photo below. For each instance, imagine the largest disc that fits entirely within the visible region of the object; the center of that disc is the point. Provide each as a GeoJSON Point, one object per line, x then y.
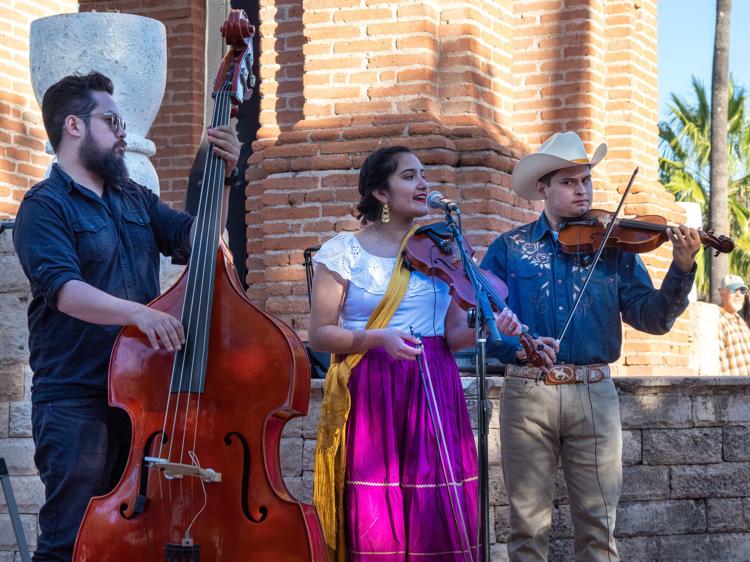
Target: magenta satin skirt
{"type": "Point", "coordinates": [397, 504]}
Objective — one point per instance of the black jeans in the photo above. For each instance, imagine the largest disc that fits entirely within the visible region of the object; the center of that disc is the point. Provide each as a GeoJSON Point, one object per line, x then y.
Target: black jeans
{"type": "Point", "coordinates": [81, 449]}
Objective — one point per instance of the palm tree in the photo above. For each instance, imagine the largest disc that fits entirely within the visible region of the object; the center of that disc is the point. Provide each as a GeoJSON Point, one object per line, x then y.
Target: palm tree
{"type": "Point", "coordinates": [684, 167]}
{"type": "Point", "coordinates": [719, 187]}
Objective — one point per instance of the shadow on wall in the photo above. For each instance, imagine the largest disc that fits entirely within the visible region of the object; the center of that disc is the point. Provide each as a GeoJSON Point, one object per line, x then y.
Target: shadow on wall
{"type": "Point", "coordinates": [289, 39]}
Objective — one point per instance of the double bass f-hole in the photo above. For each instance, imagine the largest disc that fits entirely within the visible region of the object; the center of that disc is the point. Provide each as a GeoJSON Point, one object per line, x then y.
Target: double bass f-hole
{"type": "Point", "coordinates": [446, 465]}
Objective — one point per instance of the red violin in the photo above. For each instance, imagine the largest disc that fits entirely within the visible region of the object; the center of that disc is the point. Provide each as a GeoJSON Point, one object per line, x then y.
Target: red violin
{"type": "Point", "coordinates": [203, 479]}
{"type": "Point", "coordinates": [638, 235]}
{"type": "Point", "coordinates": [433, 250]}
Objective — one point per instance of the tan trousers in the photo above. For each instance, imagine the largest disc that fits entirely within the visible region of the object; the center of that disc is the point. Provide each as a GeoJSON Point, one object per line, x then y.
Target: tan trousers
{"type": "Point", "coordinates": [580, 424]}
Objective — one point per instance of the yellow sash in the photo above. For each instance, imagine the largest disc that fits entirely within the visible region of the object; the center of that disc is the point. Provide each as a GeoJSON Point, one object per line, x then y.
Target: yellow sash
{"type": "Point", "coordinates": [330, 450]}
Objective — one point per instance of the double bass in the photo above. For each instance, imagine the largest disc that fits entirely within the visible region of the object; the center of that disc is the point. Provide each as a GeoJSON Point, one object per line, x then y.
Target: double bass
{"type": "Point", "coordinates": [203, 478]}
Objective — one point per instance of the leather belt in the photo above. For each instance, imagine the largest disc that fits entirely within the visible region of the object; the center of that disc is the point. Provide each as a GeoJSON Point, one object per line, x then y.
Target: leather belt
{"type": "Point", "coordinates": [562, 374]}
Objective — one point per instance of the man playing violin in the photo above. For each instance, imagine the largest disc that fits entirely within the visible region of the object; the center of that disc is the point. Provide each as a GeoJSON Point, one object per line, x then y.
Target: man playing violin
{"type": "Point", "coordinates": [88, 239]}
{"type": "Point", "coordinates": [570, 409]}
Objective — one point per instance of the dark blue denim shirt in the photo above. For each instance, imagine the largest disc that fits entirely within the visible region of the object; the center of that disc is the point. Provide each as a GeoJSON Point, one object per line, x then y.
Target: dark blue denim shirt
{"type": "Point", "coordinates": [544, 282]}
{"type": "Point", "coordinates": [63, 232]}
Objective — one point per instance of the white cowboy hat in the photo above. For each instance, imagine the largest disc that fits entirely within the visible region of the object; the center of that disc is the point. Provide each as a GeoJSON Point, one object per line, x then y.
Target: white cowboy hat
{"type": "Point", "coordinates": [561, 150]}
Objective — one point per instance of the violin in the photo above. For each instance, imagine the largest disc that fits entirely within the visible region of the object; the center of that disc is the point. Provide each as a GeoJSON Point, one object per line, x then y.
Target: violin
{"type": "Point", "coordinates": [637, 235]}
{"type": "Point", "coordinates": [433, 250]}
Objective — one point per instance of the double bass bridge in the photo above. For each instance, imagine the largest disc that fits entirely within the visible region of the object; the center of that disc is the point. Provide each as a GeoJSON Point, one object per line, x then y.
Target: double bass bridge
{"type": "Point", "coordinates": [174, 470]}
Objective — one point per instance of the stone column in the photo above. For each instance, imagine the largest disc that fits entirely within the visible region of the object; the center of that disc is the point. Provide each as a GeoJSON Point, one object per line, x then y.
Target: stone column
{"type": "Point", "coordinates": [129, 49]}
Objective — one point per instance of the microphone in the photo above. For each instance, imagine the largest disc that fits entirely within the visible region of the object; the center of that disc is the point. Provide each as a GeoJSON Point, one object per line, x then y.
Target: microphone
{"type": "Point", "coordinates": [436, 200]}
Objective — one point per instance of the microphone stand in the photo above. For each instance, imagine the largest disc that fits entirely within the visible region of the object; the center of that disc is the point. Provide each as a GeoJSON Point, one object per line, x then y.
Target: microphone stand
{"type": "Point", "coordinates": [479, 318]}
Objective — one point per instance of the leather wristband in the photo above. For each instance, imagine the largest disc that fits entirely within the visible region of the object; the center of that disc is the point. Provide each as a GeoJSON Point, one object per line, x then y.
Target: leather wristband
{"type": "Point", "coordinates": [231, 179]}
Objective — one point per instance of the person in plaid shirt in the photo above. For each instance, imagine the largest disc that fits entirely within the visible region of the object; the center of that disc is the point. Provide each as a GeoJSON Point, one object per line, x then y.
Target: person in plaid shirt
{"type": "Point", "coordinates": [734, 334]}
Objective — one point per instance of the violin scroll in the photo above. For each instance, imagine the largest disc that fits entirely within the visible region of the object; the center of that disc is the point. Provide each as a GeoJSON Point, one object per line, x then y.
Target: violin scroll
{"type": "Point", "coordinates": [235, 76]}
{"type": "Point", "coordinates": [721, 244]}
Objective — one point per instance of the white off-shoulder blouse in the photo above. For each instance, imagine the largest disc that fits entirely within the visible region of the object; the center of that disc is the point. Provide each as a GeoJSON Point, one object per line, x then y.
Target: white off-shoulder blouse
{"type": "Point", "coordinates": [423, 308]}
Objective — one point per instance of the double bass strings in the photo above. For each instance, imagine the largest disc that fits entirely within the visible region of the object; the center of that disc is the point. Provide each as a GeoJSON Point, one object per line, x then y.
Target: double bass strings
{"type": "Point", "coordinates": [215, 196]}
{"type": "Point", "coordinates": [196, 310]}
{"type": "Point", "coordinates": [197, 304]}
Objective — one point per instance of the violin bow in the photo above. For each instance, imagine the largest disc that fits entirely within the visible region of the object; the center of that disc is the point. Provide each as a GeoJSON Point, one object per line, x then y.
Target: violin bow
{"type": "Point", "coordinates": [598, 254]}
{"type": "Point", "coordinates": [445, 462]}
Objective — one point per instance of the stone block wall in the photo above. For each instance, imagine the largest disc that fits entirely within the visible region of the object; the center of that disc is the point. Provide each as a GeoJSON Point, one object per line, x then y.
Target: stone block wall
{"type": "Point", "coordinates": [686, 473]}
{"type": "Point", "coordinates": [16, 445]}
{"type": "Point", "coordinates": [686, 489]}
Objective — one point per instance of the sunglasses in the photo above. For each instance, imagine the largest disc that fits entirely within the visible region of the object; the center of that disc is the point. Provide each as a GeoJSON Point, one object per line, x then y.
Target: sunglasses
{"type": "Point", "coordinates": [741, 290]}
{"type": "Point", "coordinates": [115, 119]}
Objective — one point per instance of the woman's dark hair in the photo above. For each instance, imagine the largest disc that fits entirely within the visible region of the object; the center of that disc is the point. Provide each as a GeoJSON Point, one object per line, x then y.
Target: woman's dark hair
{"type": "Point", "coordinates": [71, 96]}
{"type": "Point", "coordinates": [373, 175]}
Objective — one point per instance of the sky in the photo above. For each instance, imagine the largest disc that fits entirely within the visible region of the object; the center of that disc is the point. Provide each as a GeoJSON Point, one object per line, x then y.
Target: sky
{"type": "Point", "coordinates": [686, 42]}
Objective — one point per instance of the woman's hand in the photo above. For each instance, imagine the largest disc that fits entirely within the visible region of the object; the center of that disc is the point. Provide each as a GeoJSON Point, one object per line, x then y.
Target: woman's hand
{"type": "Point", "coordinates": [395, 342]}
{"type": "Point", "coordinates": [507, 322]}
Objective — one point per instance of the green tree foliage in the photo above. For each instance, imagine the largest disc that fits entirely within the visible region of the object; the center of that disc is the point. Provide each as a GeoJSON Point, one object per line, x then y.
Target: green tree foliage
{"type": "Point", "coordinates": [684, 157]}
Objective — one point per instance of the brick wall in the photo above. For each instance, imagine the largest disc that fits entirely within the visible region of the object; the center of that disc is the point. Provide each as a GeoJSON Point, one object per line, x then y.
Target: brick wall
{"type": "Point", "coordinates": [178, 127]}
{"type": "Point", "coordinates": [471, 87]}
{"type": "Point", "coordinates": [22, 137]}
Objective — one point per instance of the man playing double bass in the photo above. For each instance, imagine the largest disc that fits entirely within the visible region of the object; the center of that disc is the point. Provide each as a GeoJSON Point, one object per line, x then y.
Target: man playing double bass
{"type": "Point", "coordinates": [89, 239]}
{"type": "Point", "coordinates": [572, 410]}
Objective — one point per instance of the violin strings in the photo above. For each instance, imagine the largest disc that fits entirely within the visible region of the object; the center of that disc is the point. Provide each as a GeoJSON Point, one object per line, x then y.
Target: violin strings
{"type": "Point", "coordinates": [195, 265]}
{"type": "Point", "coordinates": [196, 463]}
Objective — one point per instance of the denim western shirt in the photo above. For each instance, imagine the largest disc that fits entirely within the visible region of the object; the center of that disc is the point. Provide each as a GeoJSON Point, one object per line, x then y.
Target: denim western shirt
{"type": "Point", "coordinates": [65, 232]}
{"type": "Point", "coordinates": [544, 282]}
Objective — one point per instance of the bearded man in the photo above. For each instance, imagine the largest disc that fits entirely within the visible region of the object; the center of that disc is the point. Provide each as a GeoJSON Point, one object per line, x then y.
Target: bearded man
{"type": "Point", "coordinates": [88, 239]}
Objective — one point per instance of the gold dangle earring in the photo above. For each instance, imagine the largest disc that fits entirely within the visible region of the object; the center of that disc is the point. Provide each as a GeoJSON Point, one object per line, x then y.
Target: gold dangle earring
{"type": "Point", "coordinates": [385, 215]}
